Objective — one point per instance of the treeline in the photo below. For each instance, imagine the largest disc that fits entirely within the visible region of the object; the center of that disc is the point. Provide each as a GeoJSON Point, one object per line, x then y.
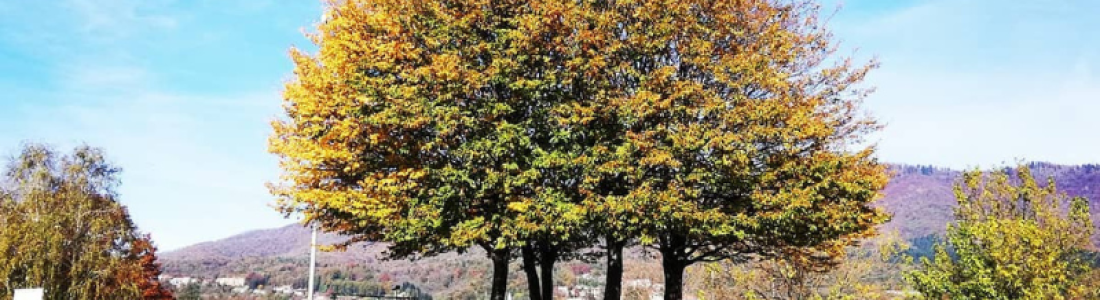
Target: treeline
{"type": "Point", "coordinates": [347, 279]}
{"type": "Point", "coordinates": [922, 170]}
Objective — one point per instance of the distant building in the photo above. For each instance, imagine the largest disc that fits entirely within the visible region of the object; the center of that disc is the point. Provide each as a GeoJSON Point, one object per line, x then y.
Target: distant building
{"type": "Point", "coordinates": [283, 289]}
{"type": "Point", "coordinates": [29, 294]}
{"type": "Point", "coordinates": [581, 292]}
{"type": "Point", "coordinates": [182, 281]}
{"type": "Point", "coordinates": [639, 283]}
{"type": "Point", "coordinates": [230, 281]}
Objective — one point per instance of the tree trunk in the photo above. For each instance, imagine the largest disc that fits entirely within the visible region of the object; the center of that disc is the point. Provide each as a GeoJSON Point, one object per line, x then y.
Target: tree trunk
{"type": "Point", "coordinates": [673, 261]}
{"type": "Point", "coordinates": [613, 289]}
{"type": "Point", "coordinates": [500, 273]}
{"type": "Point", "coordinates": [547, 256]}
{"type": "Point", "coordinates": [674, 278]}
{"type": "Point", "coordinates": [529, 268]}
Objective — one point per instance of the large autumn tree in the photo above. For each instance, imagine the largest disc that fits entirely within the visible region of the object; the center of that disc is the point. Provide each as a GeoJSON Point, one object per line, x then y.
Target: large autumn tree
{"type": "Point", "coordinates": [426, 124]}
{"type": "Point", "coordinates": [724, 130]}
{"type": "Point", "coordinates": [1012, 239]}
{"type": "Point", "coordinates": [63, 229]}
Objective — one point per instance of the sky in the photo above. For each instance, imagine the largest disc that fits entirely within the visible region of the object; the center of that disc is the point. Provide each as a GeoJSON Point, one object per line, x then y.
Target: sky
{"type": "Point", "coordinates": [181, 93]}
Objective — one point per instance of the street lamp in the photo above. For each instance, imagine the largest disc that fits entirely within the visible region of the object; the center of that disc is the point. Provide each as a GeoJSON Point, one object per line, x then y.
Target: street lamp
{"type": "Point", "coordinates": [312, 260]}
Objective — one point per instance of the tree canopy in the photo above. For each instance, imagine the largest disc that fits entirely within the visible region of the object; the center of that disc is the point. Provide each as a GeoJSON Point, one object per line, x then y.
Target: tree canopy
{"type": "Point", "coordinates": [428, 124]}
{"type": "Point", "coordinates": [733, 122]}
{"type": "Point", "coordinates": [63, 229]}
{"type": "Point", "coordinates": [1012, 239]}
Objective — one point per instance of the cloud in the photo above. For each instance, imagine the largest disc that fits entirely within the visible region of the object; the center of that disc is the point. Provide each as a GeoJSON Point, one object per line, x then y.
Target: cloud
{"type": "Point", "coordinates": [982, 82]}
{"type": "Point", "coordinates": [108, 19]}
{"type": "Point", "coordinates": [105, 78]}
{"type": "Point", "coordinates": [194, 166]}
{"type": "Point", "coordinates": [65, 35]}
{"type": "Point", "coordinates": [183, 179]}
{"type": "Point", "coordinates": [976, 33]}
{"type": "Point", "coordinates": [976, 120]}
{"type": "Point", "coordinates": [181, 103]}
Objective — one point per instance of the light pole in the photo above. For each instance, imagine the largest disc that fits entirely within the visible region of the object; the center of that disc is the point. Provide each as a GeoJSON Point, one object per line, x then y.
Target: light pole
{"type": "Point", "coordinates": [312, 260]}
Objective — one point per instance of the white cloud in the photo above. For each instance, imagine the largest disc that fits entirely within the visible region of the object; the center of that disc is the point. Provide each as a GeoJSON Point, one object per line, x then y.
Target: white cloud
{"type": "Point", "coordinates": [194, 166]}
{"type": "Point", "coordinates": [189, 133]}
{"type": "Point", "coordinates": [982, 82]}
{"type": "Point", "coordinates": [984, 118]}
{"type": "Point", "coordinates": [194, 158]}
{"type": "Point", "coordinates": [93, 78]}
{"type": "Point", "coordinates": [119, 18]}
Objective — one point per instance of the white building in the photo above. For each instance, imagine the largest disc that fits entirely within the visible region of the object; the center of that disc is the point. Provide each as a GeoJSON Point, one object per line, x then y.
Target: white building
{"type": "Point", "coordinates": [283, 289]}
{"type": "Point", "coordinates": [639, 283]}
{"type": "Point", "coordinates": [29, 294]}
{"type": "Point", "coordinates": [230, 281]}
{"type": "Point", "coordinates": [582, 292]}
{"type": "Point", "coordinates": [182, 281]}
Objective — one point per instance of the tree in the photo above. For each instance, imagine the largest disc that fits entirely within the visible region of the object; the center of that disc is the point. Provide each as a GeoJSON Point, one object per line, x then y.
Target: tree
{"type": "Point", "coordinates": [723, 129]}
{"type": "Point", "coordinates": [1012, 239]}
{"type": "Point", "coordinates": [148, 279]}
{"type": "Point", "coordinates": [865, 273]}
{"type": "Point", "coordinates": [255, 281]}
{"type": "Point", "coordinates": [422, 124]}
{"type": "Point", "coordinates": [63, 229]}
{"type": "Point", "coordinates": [191, 291]}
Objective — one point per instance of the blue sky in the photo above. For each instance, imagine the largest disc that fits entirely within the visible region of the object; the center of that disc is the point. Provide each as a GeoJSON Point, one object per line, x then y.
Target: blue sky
{"type": "Point", "coordinates": [180, 93]}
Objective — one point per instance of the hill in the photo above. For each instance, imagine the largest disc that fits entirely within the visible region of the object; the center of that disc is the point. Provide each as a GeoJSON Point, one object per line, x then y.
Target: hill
{"type": "Point", "coordinates": [288, 241]}
{"type": "Point", "coordinates": [280, 257]}
{"type": "Point", "coordinates": [921, 198]}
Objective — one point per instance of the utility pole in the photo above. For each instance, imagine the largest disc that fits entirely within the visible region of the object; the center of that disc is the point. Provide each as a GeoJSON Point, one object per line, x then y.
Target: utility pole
{"type": "Point", "coordinates": [312, 260]}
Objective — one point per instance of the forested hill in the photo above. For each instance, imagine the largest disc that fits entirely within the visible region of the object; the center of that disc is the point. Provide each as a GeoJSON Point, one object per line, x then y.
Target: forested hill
{"type": "Point", "coordinates": [280, 256]}
{"type": "Point", "coordinates": [921, 197]}
{"type": "Point", "coordinates": [290, 240]}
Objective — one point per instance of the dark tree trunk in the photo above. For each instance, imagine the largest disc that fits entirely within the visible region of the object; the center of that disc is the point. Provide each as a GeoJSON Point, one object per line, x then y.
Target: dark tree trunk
{"type": "Point", "coordinates": [548, 255]}
{"type": "Point", "coordinates": [674, 261]}
{"type": "Point", "coordinates": [613, 289]}
{"type": "Point", "coordinates": [547, 280]}
{"type": "Point", "coordinates": [530, 268]}
{"type": "Point", "coordinates": [674, 278]}
{"type": "Point", "coordinates": [500, 273]}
